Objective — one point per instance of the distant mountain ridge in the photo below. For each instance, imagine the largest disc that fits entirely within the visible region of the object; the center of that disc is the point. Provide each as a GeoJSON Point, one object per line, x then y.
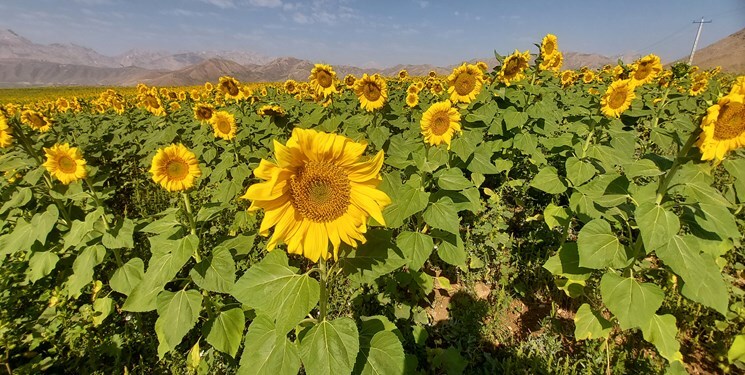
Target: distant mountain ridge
{"type": "Point", "coordinates": [25, 64]}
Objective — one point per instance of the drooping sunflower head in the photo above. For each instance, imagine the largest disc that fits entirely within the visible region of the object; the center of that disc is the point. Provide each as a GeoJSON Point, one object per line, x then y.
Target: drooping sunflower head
{"type": "Point", "coordinates": [349, 81]}
{"type": "Point", "coordinates": [223, 125]}
{"type": "Point", "coordinates": [513, 67]}
{"type": "Point", "coordinates": [271, 110]}
{"type": "Point", "coordinates": [65, 163]}
{"type": "Point", "coordinates": [439, 123]}
{"type": "Point", "coordinates": [230, 88]}
{"type": "Point", "coordinates": [6, 133]}
{"type": "Point", "coordinates": [553, 62]}
{"type": "Point", "coordinates": [322, 80]}
{"type": "Point", "coordinates": [175, 168]}
{"type": "Point", "coordinates": [723, 127]}
{"type": "Point", "coordinates": [36, 120]}
{"type": "Point", "coordinates": [152, 103]}
{"type": "Point", "coordinates": [291, 86]}
{"type": "Point", "coordinates": [646, 69]}
{"type": "Point", "coordinates": [320, 191]}
{"type": "Point", "coordinates": [548, 46]}
{"type": "Point", "coordinates": [372, 92]}
{"type": "Point", "coordinates": [203, 111]}
{"type": "Point", "coordinates": [619, 72]}
{"type": "Point", "coordinates": [412, 99]}
{"type": "Point", "coordinates": [483, 66]}
{"type": "Point", "coordinates": [403, 74]}
{"type": "Point", "coordinates": [617, 98]}
{"type": "Point", "coordinates": [465, 83]}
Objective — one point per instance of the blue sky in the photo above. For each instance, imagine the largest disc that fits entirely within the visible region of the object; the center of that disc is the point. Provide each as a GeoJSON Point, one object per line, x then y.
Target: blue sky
{"type": "Point", "coordinates": [375, 33]}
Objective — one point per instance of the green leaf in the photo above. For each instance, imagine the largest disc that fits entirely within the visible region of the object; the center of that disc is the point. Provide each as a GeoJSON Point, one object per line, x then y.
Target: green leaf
{"type": "Point", "coordinates": [579, 171]}
{"type": "Point", "coordinates": [177, 313]}
{"type": "Point", "coordinates": [267, 351]}
{"type": "Point", "coordinates": [120, 236]}
{"type": "Point", "coordinates": [128, 276]}
{"type": "Point", "coordinates": [703, 279]}
{"type": "Point", "coordinates": [481, 162]}
{"type": "Point", "coordinates": [216, 273]}
{"type": "Point", "coordinates": [82, 268]}
{"type": "Point", "coordinates": [452, 179]}
{"type": "Point", "coordinates": [225, 331]}
{"type": "Point", "coordinates": [555, 216]}
{"type": "Point", "coordinates": [275, 289]}
{"type": "Point", "coordinates": [717, 219]}
{"type": "Point", "coordinates": [656, 224]}
{"type": "Point", "coordinates": [599, 248]}
{"type": "Point", "coordinates": [40, 264]}
{"type": "Point", "coordinates": [737, 350]}
{"type": "Point", "coordinates": [102, 308]}
{"type": "Point", "coordinates": [449, 360]}
{"type": "Point", "coordinates": [451, 248]}
{"type": "Point", "coordinates": [19, 198]}
{"type": "Point", "coordinates": [641, 168]}
{"type": "Point", "coordinates": [21, 238]}
{"type": "Point", "coordinates": [661, 332]}
{"type": "Point", "coordinates": [378, 256]}
{"type": "Point", "coordinates": [566, 263]}
{"type": "Point", "coordinates": [383, 354]}
{"type": "Point", "coordinates": [443, 215]}
{"type": "Point", "coordinates": [330, 347]}
{"type": "Point", "coordinates": [44, 223]}
{"type": "Point", "coordinates": [589, 324]}
{"type": "Point", "coordinates": [405, 203]}
{"type": "Point", "coordinates": [633, 303]}
{"type": "Point", "coordinates": [548, 180]}
{"type": "Point", "coordinates": [416, 246]}
{"type": "Point", "coordinates": [513, 118]}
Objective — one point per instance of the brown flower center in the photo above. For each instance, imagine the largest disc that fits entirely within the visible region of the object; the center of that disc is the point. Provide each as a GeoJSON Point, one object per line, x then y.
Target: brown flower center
{"type": "Point", "coordinates": [324, 78]}
{"type": "Point", "coordinates": [67, 164]}
{"type": "Point", "coordinates": [177, 169]}
{"type": "Point", "coordinates": [512, 67]}
{"type": "Point", "coordinates": [152, 102]}
{"type": "Point", "coordinates": [320, 191]}
{"type": "Point", "coordinates": [231, 88]}
{"type": "Point", "coordinates": [36, 121]}
{"type": "Point", "coordinates": [440, 123]}
{"type": "Point", "coordinates": [731, 122]}
{"type": "Point", "coordinates": [642, 71]}
{"type": "Point", "coordinates": [549, 47]}
{"type": "Point", "coordinates": [371, 91]}
{"type": "Point", "coordinates": [465, 83]}
{"type": "Point", "coordinates": [204, 113]}
{"type": "Point", "coordinates": [617, 98]}
{"type": "Point", "coordinates": [223, 125]}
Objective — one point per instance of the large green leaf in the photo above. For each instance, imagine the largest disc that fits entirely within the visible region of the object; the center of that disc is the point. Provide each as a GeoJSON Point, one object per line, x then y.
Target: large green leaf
{"type": "Point", "coordinates": [82, 268]}
{"type": "Point", "coordinates": [275, 289]}
{"type": "Point", "coordinates": [717, 219]}
{"type": "Point", "coordinates": [381, 351]}
{"type": "Point", "coordinates": [406, 202]}
{"type": "Point", "coordinates": [661, 332]}
{"type": "Point", "coordinates": [736, 352]}
{"type": "Point", "coordinates": [566, 263]}
{"type": "Point", "coordinates": [216, 273]}
{"type": "Point", "coordinates": [452, 179]}
{"type": "Point", "coordinates": [378, 256]}
{"type": "Point", "coordinates": [656, 224]}
{"type": "Point", "coordinates": [120, 235]}
{"type": "Point", "coordinates": [579, 171]}
{"type": "Point", "coordinates": [633, 303]}
{"type": "Point", "coordinates": [330, 347]}
{"type": "Point", "coordinates": [599, 248]}
{"type": "Point", "coordinates": [416, 246]}
{"type": "Point", "coordinates": [224, 332]}
{"type": "Point", "coordinates": [177, 314]}
{"type": "Point", "coordinates": [443, 215]}
{"type": "Point", "coordinates": [589, 324]}
{"type": "Point", "coordinates": [703, 279]}
{"type": "Point", "coordinates": [451, 249]}
{"type": "Point", "coordinates": [127, 276]}
{"type": "Point", "coordinates": [267, 351]}
{"type": "Point", "coordinates": [40, 264]}
{"type": "Point", "coordinates": [549, 181]}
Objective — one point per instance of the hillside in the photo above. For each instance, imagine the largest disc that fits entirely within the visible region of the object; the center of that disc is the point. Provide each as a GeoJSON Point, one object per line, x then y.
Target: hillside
{"type": "Point", "coordinates": [729, 53]}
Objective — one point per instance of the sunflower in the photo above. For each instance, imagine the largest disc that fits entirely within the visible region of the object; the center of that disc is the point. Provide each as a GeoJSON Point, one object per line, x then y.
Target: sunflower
{"type": "Point", "coordinates": [208, 86]}
{"type": "Point", "coordinates": [437, 88]}
{"type": "Point", "coordinates": [567, 78]}
{"type": "Point", "coordinates": [412, 89]}
{"type": "Point", "coordinates": [372, 91]}
{"type": "Point", "coordinates": [483, 66]}
{"type": "Point", "coordinates": [412, 99]}
{"type": "Point", "coordinates": [646, 69]}
{"type": "Point", "coordinates": [723, 127]}
{"type": "Point", "coordinates": [322, 79]}
{"type": "Point", "coordinates": [320, 190]}
{"type": "Point", "coordinates": [513, 67]}
{"type": "Point", "coordinates": [432, 74]}
{"type": "Point", "coordinates": [65, 163]}
{"type": "Point", "coordinates": [230, 88]}
{"type": "Point", "coordinates": [6, 133]}
{"type": "Point", "coordinates": [664, 79]}
{"type": "Point", "coordinates": [619, 72]}
{"type": "Point", "coordinates": [223, 125]}
{"type": "Point", "coordinates": [203, 111]}
{"type": "Point", "coordinates": [588, 76]}
{"type": "Point", "coordinates": [403, 74]}
{"type": "Point", "coordinates": [699, 84]}
{"type": "Point", "coordinates": [548, 46]}
{"type": "Point", "coordinates": [175, 168]}
{"type": "Point", "coordinates": [349, 81]}
{"type": "Point", "coordinates": [439, 123]}
{"type": "Point", "coordinates": [465, 83]}
{"type": "Point", "coordinates": [739, 86]}
{"type": "Point", "coordinates": [553, 62]}
{"type": "Point", "coordinates": [152, 103]}
{"type": "Point", "coordinates": [174, 106]}
{"type": "Point", "coordinates": [617, 98]}
{"type": "Point", "coordinates": [63, 105]}
{"type": "Point", "coordinates": [271, 110]}
{"type": "Point", "coordinates": [291, 86]}
{"type": "Point", "coordinates": [195, 95]}
{"type": "Point", "coordinates": [36, 120]}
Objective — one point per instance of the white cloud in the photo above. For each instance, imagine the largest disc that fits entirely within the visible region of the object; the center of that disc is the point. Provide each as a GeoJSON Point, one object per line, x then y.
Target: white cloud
{"type": "Point", "coordinates": [266, 3]}
{"type": "Point", "coordinates": [222, 4]}
{"type": "Point", "coordinates": [422, 3]}
{"type": "Point", "coordinates": [300, 18]}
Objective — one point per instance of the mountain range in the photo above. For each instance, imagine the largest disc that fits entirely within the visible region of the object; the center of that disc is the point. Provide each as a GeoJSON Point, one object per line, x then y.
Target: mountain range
{"type": "Point", "coordinates": [24, 63]}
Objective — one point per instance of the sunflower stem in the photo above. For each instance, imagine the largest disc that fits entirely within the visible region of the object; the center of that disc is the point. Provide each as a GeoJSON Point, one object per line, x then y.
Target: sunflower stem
{"type": "Point", "coordinates": [588, 141]}
{"type": "Point", "coordinates": [660, 107]}
{"type": "Point", "coordinates": [664, 182]}
{"type": "Point", "coordinates": [98, 203]}
{"type": "Point", "coordinates": [324, 292]}
{"type": "Point", "coordinates": [235, 151]}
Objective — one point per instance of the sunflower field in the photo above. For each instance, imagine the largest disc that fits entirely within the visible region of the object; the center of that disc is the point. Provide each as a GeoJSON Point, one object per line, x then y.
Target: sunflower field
{"type": "Point", "coordinates": [511, 219]}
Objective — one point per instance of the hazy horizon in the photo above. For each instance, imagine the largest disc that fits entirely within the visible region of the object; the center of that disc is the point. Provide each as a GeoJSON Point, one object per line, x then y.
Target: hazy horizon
{"type": "Point", "coordinates": [374, 34]}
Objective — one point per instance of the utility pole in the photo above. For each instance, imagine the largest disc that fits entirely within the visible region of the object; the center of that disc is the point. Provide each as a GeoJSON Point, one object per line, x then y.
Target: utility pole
{"type": "Point", "coordinates": [695, 41]}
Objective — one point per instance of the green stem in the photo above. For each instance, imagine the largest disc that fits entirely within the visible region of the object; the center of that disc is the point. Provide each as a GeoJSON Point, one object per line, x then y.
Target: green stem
{"type": "Point", "coordinates": [192, 223]}
{"type": "Point", "coordinates": [664, 182]}
{"type": "Point", "coordinates": [588, 141]}
{"type": "Point", "coordinates": [324, 292]}
{"type": "Point", "coordinates": [235, 151]}
{"type": "Point", "coordinates": [98, 203]}
{"type": "Point", "coordinates": [659, 108]}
